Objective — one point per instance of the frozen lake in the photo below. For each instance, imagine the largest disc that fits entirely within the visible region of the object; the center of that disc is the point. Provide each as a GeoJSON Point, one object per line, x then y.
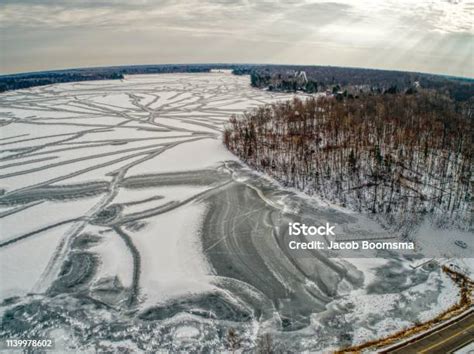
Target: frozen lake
{"type": "Point", "coordinates": [125, 223]}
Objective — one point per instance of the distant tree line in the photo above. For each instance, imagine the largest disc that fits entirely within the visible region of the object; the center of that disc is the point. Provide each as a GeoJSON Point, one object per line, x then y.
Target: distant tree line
{"type": "Point", "coordinates": [354, 81]}
{"type": "Point", "coordinates": [19, 81]}
{"type": "Point", "coordinates": [15, 83]}
{"type": "Point", "coordinates": [398, 156]}
{"type": "Point", "coordinates": [311, 79]}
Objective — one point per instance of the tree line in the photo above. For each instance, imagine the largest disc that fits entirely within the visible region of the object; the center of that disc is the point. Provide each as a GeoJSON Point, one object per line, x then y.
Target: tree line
{"type": "Point", "coordinates": [41, 78]}
{"type": "Point", "coordinates": [354, 80]}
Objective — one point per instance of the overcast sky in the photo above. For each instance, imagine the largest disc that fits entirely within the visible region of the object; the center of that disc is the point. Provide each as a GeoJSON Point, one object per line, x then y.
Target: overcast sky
{"type": "Point", "coordinates": [415, 35]}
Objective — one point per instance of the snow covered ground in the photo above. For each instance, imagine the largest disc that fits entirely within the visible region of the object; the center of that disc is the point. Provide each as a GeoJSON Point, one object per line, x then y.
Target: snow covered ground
{"type": "Point", "coordinates": [119, 203]}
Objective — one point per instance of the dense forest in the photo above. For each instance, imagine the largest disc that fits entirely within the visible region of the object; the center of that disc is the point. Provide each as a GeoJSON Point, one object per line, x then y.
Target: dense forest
{"type": "Point", "coordinates": [399, 156]}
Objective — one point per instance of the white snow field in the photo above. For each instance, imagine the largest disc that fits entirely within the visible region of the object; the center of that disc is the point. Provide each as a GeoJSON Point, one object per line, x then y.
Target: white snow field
{"type": "Point", "coordinates": [126, 224]}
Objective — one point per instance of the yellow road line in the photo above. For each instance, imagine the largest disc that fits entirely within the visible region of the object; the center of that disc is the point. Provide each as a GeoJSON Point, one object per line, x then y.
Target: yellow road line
{"type": "Point", "coordinates": [445, 340]}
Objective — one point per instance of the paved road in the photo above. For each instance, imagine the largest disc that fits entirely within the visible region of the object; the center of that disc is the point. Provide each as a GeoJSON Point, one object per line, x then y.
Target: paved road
{"type": "Point", "coordinates": [446, 340]}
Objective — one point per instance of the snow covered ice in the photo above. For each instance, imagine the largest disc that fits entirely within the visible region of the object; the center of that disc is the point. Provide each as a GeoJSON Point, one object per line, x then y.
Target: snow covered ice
{"type": "Point", "coordinates": [125, 223]}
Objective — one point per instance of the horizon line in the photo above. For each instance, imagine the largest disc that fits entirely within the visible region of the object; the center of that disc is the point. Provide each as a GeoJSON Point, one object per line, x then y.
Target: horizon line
{"type": "Point", "coordinates": [234, 64]}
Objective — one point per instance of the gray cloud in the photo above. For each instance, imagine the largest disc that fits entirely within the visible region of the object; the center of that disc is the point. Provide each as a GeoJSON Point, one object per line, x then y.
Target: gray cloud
{"type": "Point", "coordinates": [393, 33]}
